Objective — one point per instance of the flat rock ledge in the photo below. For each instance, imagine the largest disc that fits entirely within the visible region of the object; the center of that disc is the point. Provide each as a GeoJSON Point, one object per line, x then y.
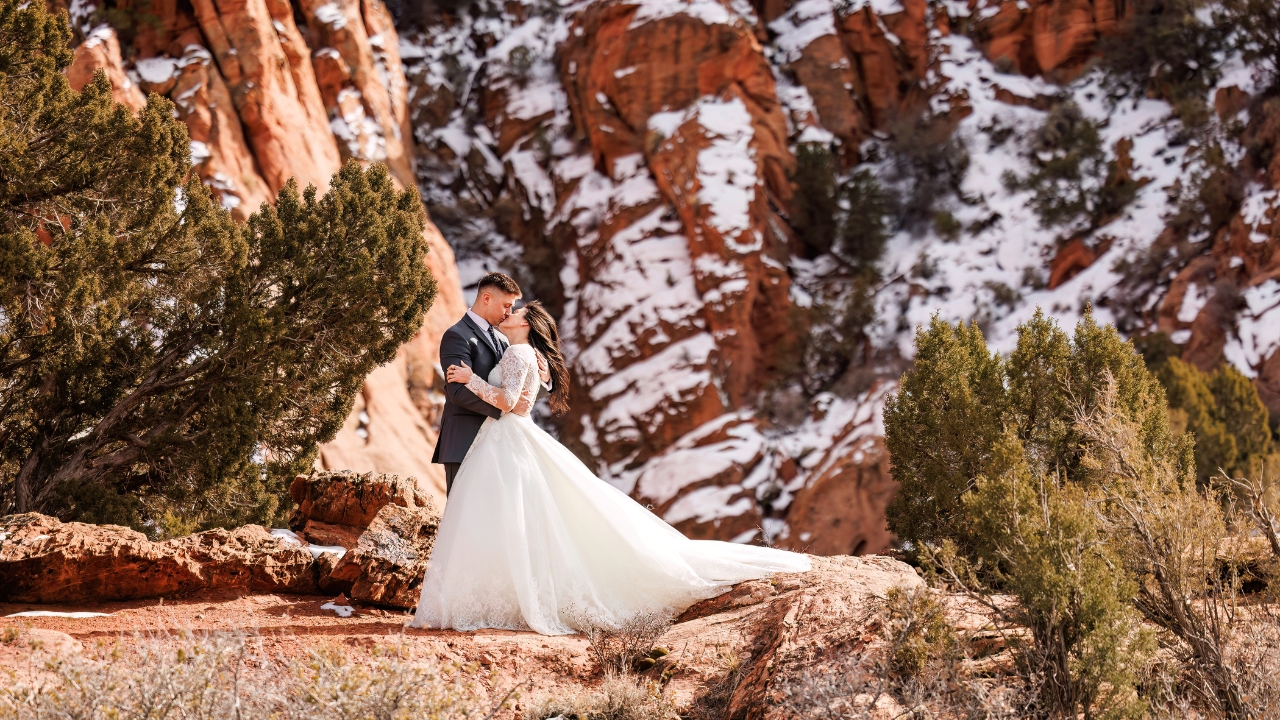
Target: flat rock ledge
{"type": "Point", "coordinates": [379, 530]}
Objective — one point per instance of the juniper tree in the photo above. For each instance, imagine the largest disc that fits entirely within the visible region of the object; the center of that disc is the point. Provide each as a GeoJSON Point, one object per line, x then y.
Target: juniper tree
{"type": "Point", "coordinates": [1230, 423]}
{"type": "Point", "coordinates": [157, 360]}
{"type": "Point", "coordinates": [1042, 544]}
{"type": "Point", "coordinates": [939, 429]}
{"type": "Point", "coordinates": [959, 398]}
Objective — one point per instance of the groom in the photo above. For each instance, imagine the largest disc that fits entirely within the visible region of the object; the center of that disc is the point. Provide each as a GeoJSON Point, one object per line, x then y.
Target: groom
{"type": "Point", "coordinates": [474, 341]}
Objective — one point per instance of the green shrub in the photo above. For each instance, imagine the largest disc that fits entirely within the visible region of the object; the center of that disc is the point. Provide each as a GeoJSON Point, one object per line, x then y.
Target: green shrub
{"type": "Point", "coordinates": [834, 327]}
{"type": "Point", "coordinates": [959, 398]}
{"type": "Point", "coordinates": [940, 427]}
{"type": "Point", "coordinates": [156, 357]}
{"type": "Point", "coordinates": [863, 231]}
{"type": "Point", "coordinates": [1169, 536]}
{"type": "Point", "coordinates": [520, 65]}
{"type": "Point", "coordinates": [918, 632]}
{"type": "Point", "coordinates": [1231, 425]}
{"type": "Point", "coordinates": [1039, 541]}
{"type": "Point", "coordinates": [1257, 35]}
{"type": "Point", "coordinates": [1072, 177]}
{"type": "Point", "coordinates": [1166, 51]}
{"type": "Point", "coordinates": [928, 162]}
{"type": "Point", "coordinates": [946, 225]}
{"type": "Point", "coordinates": [815, 204]}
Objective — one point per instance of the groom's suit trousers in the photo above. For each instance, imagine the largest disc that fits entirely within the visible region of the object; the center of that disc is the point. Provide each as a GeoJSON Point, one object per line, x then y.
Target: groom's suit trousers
{"type": "Point", "coordinates": [450, 471]}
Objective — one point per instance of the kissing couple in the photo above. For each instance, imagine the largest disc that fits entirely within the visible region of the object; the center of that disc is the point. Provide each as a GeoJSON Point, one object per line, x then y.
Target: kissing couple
{"type": "Point", "coordinates": [531, 538]}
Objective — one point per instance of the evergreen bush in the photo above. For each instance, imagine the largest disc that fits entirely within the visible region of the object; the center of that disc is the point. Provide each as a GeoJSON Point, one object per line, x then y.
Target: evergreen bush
{"type": "Point", "coordinates": [959, 399]}
{"type": "Point", "coordinates": [1231, 424]}
{"type": "Point", "coordinates": [161, 366]}
{"type": "Point", "coordinates": [815, 203]}
{"type": "Point", "coordinates": [1166, 50]}
{"type": "Point", "coordinates": [1041, 543]}
{"type": "Point", "coordinates": [1072, 177]}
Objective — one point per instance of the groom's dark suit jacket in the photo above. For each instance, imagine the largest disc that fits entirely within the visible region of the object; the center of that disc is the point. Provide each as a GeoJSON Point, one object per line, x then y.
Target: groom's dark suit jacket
{"type": "Point", "coordinates": [464, 413]}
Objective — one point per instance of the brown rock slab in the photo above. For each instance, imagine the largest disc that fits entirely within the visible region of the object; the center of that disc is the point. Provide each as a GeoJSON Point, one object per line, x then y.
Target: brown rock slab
{"type": "Point", "coordinates": [43, 560]}
{"type": "Point", "coordinates": [101, 51]}
{"type": "Point", "coordinates": [345, 497]}
{"type": "Point", "coordinates": [387, 564]}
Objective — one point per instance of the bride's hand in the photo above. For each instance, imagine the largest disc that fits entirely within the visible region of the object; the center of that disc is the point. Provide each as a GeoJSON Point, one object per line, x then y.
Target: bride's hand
{"type": "Point", "coordinates": [459, 374]}
{"type": "Point", "coordinates": [544, 371]}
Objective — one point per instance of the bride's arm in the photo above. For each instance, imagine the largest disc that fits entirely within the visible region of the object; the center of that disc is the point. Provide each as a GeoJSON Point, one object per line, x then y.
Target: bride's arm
{"type": "Point", "coordinates": [513, 372]}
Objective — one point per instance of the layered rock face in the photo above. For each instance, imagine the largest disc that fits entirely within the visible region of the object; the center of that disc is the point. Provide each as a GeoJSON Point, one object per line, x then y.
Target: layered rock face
{"type": "Point", "coordinates": [639, 156]}
{"type": "Point", "coordinates": [43, 560]}
{"type": "Point", "coordinates": [1054, 39]}
{"type": "Point", "coordinates": [633, 163]}
{"type": "Point", "coordinates": [636, 159]}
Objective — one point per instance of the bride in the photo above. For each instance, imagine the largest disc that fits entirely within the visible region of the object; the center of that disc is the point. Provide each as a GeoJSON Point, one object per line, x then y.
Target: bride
{"type": "Point", "coordinates": [532, 539]}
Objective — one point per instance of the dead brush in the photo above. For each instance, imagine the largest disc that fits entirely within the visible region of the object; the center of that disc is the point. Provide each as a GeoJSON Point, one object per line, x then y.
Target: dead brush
{"type": "Point", "coordinates": [618, 698]}
{"type": "Point", "coordinates": [713, 702]}
{"type": "Point", "coordinates": [619, 648]}
{"type": "Point", "coordinates": [918, 669]}
{"type": "Point", "coordinates": [200, 677]}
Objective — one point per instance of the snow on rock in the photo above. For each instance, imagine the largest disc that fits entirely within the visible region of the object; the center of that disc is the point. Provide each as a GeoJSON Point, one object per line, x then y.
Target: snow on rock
{"type": "Point", "coordinates": [727, 173]}
{"type": "Point", "coordinates": [1258, 333]}
{"type": "Point", "coordinates": [1012, 249]}
{"type": "Point", "coordinates": [711, 12]}
{"type": "Point", "coordinates": [651, 148]}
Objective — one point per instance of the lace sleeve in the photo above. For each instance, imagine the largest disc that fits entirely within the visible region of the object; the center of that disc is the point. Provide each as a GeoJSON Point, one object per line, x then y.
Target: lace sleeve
{"type": "Point", "coordinates": [514, 367]}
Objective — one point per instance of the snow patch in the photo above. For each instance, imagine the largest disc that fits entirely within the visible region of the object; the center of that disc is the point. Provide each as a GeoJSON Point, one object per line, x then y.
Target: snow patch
{"type": "Point", "coordinates": [291, 537]}
{"type": "Point", "coordinates": [74, 615]}
{"type": "Point", "coordinates": [339, 610]}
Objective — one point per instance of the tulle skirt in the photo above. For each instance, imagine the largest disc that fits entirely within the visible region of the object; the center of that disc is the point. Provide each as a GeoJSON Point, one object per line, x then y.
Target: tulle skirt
{"type": "Point", "coordinates": [532, 539]}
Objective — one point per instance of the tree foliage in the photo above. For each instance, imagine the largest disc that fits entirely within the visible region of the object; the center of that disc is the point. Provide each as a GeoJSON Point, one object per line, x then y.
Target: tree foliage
{"type": "Point", "coordinates": [1165, 50]}
{"type": "Point", "coordinates": [1041, 543]}
{"type": "Point", "coordinates": [959, 399]}
{"type": "Point", "coordinates": [158, 361]}
{"type": "Point", "coordinates": [1257, 36]}
{"type": "Point", "coordinates": [1072, 178]}
{"type": "Point", "coordinates": [1231, 424]}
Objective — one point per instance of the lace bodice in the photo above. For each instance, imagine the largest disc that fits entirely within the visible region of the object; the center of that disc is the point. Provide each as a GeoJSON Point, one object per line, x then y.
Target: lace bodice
{"type": "Point", "coordinates": [518, 373]}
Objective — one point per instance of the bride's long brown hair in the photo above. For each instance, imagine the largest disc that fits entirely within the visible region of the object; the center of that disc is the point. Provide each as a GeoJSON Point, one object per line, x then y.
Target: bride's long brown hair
{"type": "Point", "coordinates": [545, 338]}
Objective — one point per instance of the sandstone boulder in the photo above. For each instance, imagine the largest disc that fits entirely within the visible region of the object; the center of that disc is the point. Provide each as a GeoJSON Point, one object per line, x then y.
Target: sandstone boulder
{"type": "Point", "coordinates": [44, 560]}
{"type": "Point", "coordinates": [389, 559]}
{"type": "Point", "coordinates": [345, 497]}
{"type": "Point", "coordinates": [385, 523]}
{"type": "Point", "coordinates": [793, 624]}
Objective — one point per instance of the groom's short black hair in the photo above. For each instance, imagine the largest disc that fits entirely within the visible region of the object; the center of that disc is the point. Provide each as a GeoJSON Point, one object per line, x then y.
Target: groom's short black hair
{"type": "Point", "coordinates": [499, 281]}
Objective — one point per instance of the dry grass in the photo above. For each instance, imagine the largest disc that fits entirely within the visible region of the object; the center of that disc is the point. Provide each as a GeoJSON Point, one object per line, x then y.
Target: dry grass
{"type": "Point", "coordinates": [618, 698]}
{"type": "Point", "coordinates": [921, 668]}
{"type": "Point", "coordinates": [199, 677]}
{"type": "Point", "coordinates": [618, 648]}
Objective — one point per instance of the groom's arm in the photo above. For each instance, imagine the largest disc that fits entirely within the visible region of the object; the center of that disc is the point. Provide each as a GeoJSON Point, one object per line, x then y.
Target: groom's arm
{"type": "Point", "coordinates": [455, 350]}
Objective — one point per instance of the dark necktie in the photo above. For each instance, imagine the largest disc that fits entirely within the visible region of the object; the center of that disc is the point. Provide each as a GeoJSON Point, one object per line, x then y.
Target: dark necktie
{"type": "Point", "coordinates": [493, 336]}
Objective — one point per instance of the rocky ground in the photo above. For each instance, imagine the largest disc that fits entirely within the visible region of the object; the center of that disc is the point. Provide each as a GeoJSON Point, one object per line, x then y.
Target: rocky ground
{"type": "Point", "coordinates": [778, 629]}
{"type": "Point", "coordinates": [348, 574]}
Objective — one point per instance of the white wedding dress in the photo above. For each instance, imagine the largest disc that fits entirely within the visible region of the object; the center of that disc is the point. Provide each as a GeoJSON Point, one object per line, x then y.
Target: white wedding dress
{"type": "Point", "coordinates": [532, 539]}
